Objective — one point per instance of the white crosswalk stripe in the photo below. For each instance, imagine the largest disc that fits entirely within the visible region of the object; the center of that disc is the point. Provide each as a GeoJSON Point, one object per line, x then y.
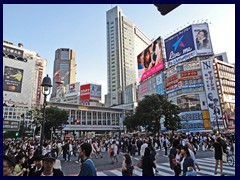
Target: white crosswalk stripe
{"type": "Point", "coordinates": [207, 166]}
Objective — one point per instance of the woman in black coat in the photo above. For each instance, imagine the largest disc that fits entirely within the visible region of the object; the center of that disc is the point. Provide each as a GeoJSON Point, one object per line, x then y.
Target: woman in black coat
{"type": "Point", "coordinates": [148, 163]}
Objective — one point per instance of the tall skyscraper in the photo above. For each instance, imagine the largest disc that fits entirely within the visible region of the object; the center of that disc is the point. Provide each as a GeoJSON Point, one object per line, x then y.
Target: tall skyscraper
{"type": "Point", "coordinates": [64, 70]}
{"type": "Point", "coordinates": [124, 42]}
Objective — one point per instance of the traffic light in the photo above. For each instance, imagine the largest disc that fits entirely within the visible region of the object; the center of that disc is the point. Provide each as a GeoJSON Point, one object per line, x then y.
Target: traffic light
{"type": "Point", "coordinates": [17, 133]}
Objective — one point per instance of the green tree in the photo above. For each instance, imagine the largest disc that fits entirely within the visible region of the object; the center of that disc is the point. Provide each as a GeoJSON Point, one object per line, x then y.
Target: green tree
{"type": "Point", "coordinates": [54, 117]}
{"type": "Point", "coordinates": [152, 108]}
{"type": "Point", "coordinates": [131, 122]}
{"type": "Point", "coordinates": [171, 116]}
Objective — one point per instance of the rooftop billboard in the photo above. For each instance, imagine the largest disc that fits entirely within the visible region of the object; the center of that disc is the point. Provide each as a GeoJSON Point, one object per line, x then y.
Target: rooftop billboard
{"type": "Point", "coordinates": [191, 41]}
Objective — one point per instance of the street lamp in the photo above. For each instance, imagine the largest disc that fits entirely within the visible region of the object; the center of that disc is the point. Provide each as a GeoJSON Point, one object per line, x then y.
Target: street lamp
{"type": "Point", "coordinates": [46, 87]}
{"type": "Point", "coordinates": [215, 112]}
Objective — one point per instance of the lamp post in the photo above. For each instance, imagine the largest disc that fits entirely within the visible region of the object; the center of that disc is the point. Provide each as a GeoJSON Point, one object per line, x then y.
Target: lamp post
{"type": "Point", "coordinates": [46, 87]}
{"type": "Point", "coordinates": [216, 116]}
{"type": "Point", "coordinates": [23, 125]}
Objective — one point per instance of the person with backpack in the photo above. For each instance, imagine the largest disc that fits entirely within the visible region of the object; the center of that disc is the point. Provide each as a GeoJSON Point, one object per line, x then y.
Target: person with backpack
{"type": "Point", "coordinates": [127, 167]}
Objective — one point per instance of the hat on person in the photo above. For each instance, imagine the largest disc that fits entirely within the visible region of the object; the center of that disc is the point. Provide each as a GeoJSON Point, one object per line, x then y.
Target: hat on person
{"type": "Point", "coordinates": [49, 156]}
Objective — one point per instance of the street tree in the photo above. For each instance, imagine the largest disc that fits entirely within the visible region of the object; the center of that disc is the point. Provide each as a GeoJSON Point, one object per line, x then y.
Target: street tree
{"type": "Point", "coordinates": [152, 108]}
{"type": "Point", "coordinates": [132, 122]}
{"type": "Point", "coordinates": [171, 116]}
{"type": "Point", "coordinates": [54, 118]}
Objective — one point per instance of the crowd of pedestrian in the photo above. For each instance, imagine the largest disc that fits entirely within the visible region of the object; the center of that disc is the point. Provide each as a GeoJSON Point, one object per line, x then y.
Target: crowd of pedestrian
{"type": "Point", "coordinates": [25, 158]}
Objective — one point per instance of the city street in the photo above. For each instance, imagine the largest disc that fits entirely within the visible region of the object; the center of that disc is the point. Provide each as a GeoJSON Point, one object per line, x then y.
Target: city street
{"type": "Point", "coordinates": [105, 168]}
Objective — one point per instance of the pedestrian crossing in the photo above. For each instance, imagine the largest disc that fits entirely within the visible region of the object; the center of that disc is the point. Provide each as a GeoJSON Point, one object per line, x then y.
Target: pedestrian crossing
{"type": "Point", "coordinates": [207, 167]}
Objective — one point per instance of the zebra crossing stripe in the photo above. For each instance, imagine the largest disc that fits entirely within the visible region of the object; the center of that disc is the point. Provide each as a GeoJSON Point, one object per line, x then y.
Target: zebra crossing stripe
{"type": "Point", "coordinates": [207, 166]}
{"type": "Point", "coordinates": [137, 172]}
{"type": "Point", "coordinates": [117, 172]}
{"type": "Point", "coordinates": [101, 174]}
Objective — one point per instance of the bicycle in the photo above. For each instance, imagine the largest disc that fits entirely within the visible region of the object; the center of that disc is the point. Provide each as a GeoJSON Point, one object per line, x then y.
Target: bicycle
{"type": "Point", "coordinates": [230, 157]}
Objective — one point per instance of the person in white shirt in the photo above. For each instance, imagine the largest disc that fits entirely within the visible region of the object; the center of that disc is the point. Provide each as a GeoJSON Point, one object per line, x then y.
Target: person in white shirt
{"type": "Point", "coordinates": [143, 147]}
{"type": "Point", "coordinates": [189, 146]}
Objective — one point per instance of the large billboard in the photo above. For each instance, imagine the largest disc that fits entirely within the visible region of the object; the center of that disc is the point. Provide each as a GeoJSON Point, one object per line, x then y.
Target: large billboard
{"type": "Point", "coordinates": [95, 93]}
{"type": "Point", "coordinates": [150, 61]}
{"type": "Point", "coordinates": [12, 79]}
{"type": "Point", "coordinates": [180, 46]}
{"type": "Point", "coordinates": [202, 39]}
{"type": "Point", "coordinates": [192, 41]}
{"type": "Point", "coordinates": [85, 92]}
{"type": "Point", "coordinates": [211, 89]}
{"type": "Point", "coordinates": [90, 91]}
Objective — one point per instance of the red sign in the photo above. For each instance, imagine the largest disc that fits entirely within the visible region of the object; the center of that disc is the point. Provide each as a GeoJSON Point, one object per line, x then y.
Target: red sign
{"type": "Point", "coordinates": [38, 98]}
{"type": "Point", "coordinates": [85, 92]}
{"type": "Point", "coordinates": [189, 73]}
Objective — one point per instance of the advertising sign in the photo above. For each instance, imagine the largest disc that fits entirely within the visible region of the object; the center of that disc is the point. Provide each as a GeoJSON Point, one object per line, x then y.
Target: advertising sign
{"type": "Point", "coordinates": [221, 57]}
{"type": "Point", "coordinates": [85, 92]}
{"type": "Point", "coordinates": [12, 51]}
{"type": "Point", "coordinates": [188, 73]}
{"type": "Point", "coordinates": [38, 98]}
{"type": "Point", "coordinates": [191, 115]}
{"type": "Point", "coordinates": [180, 46]}
{"type": "Point", "coordinates": [96, 92]}
{"type": "Point", "coordinates": [211, 89]}
{"type": "Point", "coordinates": [11, 125]}
{"type": "Point", "coordinates": [150, 61]}
{"type": "Point", "coordinates": [71, 88]}
{"type": "Point", "coordinates": [159, 83]}
{"type": "Point", "coordinates": [202, 39]}
{"type": "Point", "coordinates": [12, 79]}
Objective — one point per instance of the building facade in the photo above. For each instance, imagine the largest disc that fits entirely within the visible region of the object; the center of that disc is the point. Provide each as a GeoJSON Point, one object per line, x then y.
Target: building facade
{"type": "Point", "coordinates": [124, 42]}
{"type": "Point", "coordinates": [91, 118]}
{"type": "Point", "coordinates": [23, 71]}
{"type": "Point", "coordinates": [225, 78]}
{"type": "Point", "coordinates": [64, 72]}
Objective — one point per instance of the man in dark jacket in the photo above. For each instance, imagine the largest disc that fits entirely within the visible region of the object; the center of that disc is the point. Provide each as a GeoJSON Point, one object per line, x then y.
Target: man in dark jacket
{"type": "Point", "coordinates": [48, 163]}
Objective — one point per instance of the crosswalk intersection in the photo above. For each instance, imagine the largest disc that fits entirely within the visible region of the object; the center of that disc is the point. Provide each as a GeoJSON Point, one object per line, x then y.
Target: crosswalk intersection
{"type": "Point", "coordinates": [207, 166]}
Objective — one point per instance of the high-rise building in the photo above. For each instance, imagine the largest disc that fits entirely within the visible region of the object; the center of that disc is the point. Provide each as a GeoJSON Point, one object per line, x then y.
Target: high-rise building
{"type": "Point", "coordinates": [124, 42]}
{"type": "Point", "coordinates": [64, 72]}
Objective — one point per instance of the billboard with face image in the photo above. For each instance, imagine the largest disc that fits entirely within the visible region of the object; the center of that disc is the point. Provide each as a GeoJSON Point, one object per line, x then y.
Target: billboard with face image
{"type": "Point", "coordinates": [150, 61]}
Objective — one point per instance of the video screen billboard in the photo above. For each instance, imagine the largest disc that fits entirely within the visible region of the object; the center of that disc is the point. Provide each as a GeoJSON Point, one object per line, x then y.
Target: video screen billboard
{"type": "Point", "coordinates": [85, 92]}
{"type": "Point", "coordinates": [150, 61]}
{"type": "Point", "coordinates": [12, 79]}
{"type": "Point", "coordinates": [96, 92]}
{"type": "Point", "coordinates": [202, 39]}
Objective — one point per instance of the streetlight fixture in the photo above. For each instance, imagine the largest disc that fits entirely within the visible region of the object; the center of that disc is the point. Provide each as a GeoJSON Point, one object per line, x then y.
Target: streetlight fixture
{"type": "Point", "coordinates": [46, 88]}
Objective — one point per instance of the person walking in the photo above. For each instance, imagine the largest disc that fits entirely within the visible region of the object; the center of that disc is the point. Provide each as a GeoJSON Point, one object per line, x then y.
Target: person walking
{"type": "Point", "coordinates": [87, 167]}
{"type": "Point", "coordinates": [148, 163]}
{"type": "Point", "coordinates": [127, 167]}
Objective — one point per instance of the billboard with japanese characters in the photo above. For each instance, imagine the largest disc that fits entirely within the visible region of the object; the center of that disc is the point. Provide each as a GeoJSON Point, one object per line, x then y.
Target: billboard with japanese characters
{"type": "Point", "coordinates": [211, 89]}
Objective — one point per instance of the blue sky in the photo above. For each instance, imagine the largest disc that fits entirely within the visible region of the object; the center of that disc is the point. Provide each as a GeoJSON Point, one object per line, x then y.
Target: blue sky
{"type": "Point", "coordinates": [82, 27]}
